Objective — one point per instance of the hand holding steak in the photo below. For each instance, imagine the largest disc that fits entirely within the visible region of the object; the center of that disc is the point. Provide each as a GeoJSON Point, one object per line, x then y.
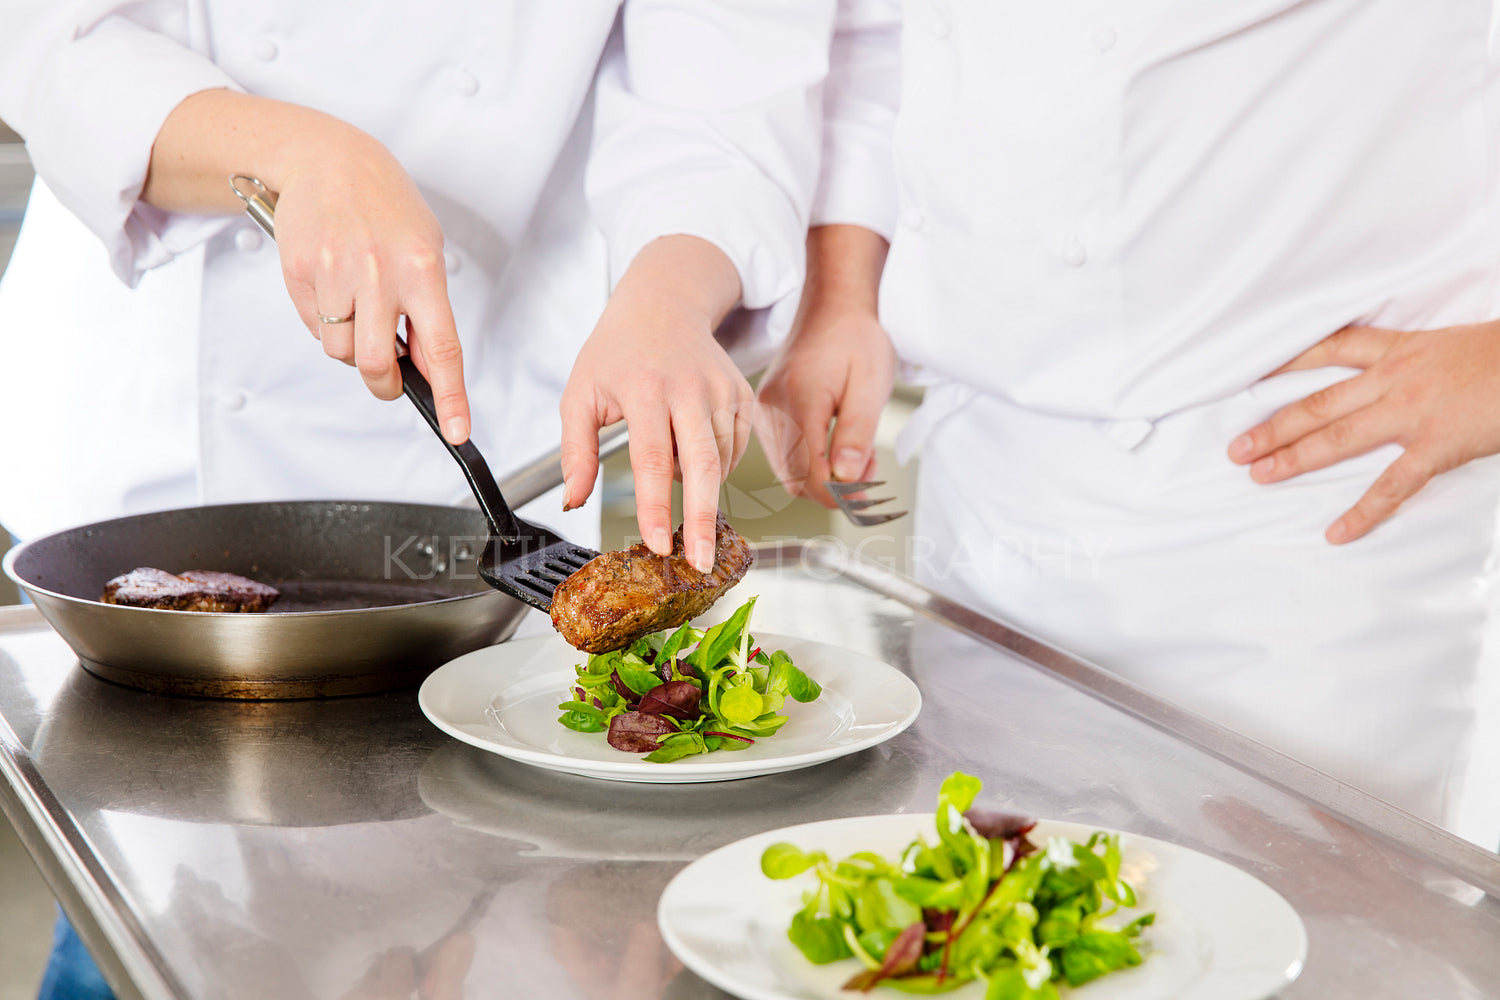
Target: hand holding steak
{"type": "Point", "coordinates": [620, 596]}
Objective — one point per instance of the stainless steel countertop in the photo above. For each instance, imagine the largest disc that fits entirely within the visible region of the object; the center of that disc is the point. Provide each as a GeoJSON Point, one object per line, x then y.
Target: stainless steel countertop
{"type": "Point", "coordinates": [227, 850]}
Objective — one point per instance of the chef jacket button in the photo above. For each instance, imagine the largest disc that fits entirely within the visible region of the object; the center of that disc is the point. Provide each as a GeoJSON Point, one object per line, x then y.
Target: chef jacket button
{"type": "Point", "coordinates": [452, 262]}
{"type": "Point", "coordinates": [466, 83]}
{"type": "Point", "coordinates": [248, 239]}
{"type": "Point", "coordinates": [942, 24]}
{"type": "Point", "coordinates": [1105, 38]}
{"type": "Point", "coordinates": [1074, 253]}
{"type": "Point", "coordinates": [234, 400]}
{"type": "Point", "coordinates": [265, 50]}
{"type": "Point", "coordinates": [913, 218]}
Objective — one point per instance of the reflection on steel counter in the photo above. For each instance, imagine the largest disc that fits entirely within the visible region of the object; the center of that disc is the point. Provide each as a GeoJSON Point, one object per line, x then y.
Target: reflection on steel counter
{"type": "Point", "coordinates": [245, 763]}
{"type": "Point", "coordinates": [546, 815]}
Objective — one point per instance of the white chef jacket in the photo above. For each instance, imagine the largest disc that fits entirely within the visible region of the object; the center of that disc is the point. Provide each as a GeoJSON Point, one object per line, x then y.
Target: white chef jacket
{"type": "Point", "coordinates": [155, 360]}
{"type": "Point", "coordinates": [1115, 210]}
{"type": "Point", "coordinates": [1108, 222]}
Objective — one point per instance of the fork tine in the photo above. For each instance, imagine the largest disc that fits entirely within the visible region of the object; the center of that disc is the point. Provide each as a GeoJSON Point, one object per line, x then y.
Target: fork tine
{"type": "Point", "coordinates": [842, 489]}
{"type": "Point", "coordinates": [853, 505]}
{"type": "Point", "coordinates": [870, 520]}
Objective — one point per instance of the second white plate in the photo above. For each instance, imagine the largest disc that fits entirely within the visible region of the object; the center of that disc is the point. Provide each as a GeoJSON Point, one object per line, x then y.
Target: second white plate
{"type": "Point", "coordinates": [1220, 933]}
{"type": "Point", "coordinates": [504, 699]}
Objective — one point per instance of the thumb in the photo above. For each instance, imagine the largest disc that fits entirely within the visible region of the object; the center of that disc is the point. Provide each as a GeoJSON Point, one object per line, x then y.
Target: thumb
{"type": "Point", "coordinates": [851, 451]}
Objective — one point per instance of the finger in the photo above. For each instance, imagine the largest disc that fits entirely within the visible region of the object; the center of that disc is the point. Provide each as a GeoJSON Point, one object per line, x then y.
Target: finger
{"type": "Point", "coordinates": [698, 453]}
{"type": "Point", "coordinates": [305, 301]}
{"type": "Point", "coordinates": [1345, 438]}
{"type": "Point", "coordinates": [337, 338]}
{"type": "Point", "coordinates": [778, 431]}
{"type": "Point", "coordinates": [1351, 347]}
{"type": "Point", "coordinates": [1301, 418]}
{"type": "Point", "coordinates": [722, 425]}
{"type": "Point", "coordinates": [745, 407]}
{"type": "Point", "coordinates": [778, 436]}
{"type": "Point", "coordinates": [853, 443]}
{"type": "Point", "coordinates": [337, 285]}
{"type": "Point", "coordinates": [1398, 483]}
{"type": "Point", "coordinates": [375, 323]}
{"type": "Point", "coordinates": [794, 430]}
{"type": "Point", "coordinates": [580, 445]}
{"type": "Point", "coordinates": [744, 422]}
{"type": "Point", "coordinates": [812, 435]}
{"type": "Point", "coordinates": [439, 355]}
{"type": "Point", "coordinates": [651, 466]}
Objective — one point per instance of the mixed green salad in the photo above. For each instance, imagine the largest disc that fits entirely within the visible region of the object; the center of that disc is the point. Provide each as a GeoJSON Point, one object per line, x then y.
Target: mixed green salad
{"type": "Point", "coordinates": [692, 691]}
{"type": "Point", "coordinates": [983, 902]}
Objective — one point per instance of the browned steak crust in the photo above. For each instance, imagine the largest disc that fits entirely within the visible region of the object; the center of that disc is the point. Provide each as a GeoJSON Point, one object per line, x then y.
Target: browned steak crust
{"type": "Point", "coordinates": [620, 596]}
{"type": "Point", "coordinates": [193, 590]}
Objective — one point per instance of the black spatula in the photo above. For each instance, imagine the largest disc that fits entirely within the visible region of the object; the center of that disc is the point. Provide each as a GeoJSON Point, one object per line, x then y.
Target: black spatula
{"type": "Point", "coordinates": [523, 559]}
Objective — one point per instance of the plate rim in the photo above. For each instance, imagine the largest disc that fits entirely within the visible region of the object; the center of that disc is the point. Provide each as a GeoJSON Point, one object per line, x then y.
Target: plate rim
{"type": "Point", "coordinates": [710, 973]}
{"type": "Point", "coordinates": [688, 771]}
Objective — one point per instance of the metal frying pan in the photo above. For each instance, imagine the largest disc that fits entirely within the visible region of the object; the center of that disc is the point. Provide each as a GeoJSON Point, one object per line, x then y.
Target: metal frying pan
{"type": "Point", "coordinates": [374, 596]}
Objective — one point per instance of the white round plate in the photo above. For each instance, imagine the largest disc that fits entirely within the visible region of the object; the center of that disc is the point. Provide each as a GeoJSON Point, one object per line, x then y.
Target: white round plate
{"type": "Point", "coordinates": [504, 699]}
{"type": "Point", "coordinates": [1220, 933]}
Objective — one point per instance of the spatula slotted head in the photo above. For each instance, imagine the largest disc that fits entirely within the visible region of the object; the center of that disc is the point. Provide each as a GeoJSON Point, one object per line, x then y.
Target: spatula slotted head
{"type": "Point", "coordinates": [530, 568]}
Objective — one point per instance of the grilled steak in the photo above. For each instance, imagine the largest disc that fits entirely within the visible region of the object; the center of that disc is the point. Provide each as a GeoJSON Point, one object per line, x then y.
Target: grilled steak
{"type": "Point", "coordinates": [194, 590]}
{"type": "Point", "coordinates": [620, 596]}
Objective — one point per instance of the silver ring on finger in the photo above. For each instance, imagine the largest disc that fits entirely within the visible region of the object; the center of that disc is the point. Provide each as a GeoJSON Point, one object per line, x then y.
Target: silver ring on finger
{"type": "Point", "coordinates": [335, 320]}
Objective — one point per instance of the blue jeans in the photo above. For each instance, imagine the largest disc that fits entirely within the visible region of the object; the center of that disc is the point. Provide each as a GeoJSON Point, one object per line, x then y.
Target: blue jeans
{"type": "Point", "coordinates": [71, 972]}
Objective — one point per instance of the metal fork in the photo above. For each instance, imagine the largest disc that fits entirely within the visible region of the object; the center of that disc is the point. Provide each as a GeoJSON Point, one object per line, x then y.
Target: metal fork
{"type": "Point", "coordinates": [843, 495]}
{"type": "Point", "coordinates": [523, 559]}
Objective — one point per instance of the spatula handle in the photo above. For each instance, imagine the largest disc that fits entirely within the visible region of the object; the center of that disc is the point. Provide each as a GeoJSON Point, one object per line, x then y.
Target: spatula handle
{"type": "Point", "coordinates": [476, 470]}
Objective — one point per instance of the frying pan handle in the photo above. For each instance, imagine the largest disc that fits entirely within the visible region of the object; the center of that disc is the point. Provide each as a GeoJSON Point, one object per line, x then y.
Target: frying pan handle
{"type": "Point", "coordinates": [260, 205]}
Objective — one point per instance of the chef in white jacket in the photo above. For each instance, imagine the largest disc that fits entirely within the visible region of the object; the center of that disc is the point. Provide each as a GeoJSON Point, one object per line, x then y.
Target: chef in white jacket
{"type": "Point", "coordinates": [1136, 247]}
{"type": "Point", "coordinates": [430, 163]}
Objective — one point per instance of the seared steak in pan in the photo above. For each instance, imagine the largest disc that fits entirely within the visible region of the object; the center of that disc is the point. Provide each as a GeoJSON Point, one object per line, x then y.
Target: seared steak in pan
{"type": "Point", "coordinates": [194, 590]}
{"type": "Point", "coordinates": [620, 596]}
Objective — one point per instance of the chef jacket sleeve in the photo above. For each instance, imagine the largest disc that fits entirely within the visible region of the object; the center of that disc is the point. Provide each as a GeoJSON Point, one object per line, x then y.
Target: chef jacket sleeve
{"type": "Point", "coordinates": [88, 85]}
{"type": "Point", "coordinates": [707, 124]}
{"type": "Point", "coordinates": [857, 185]}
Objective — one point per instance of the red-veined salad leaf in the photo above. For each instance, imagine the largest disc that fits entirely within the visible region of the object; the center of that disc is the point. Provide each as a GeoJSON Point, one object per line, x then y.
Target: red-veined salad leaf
{"type": "Point", "coordinates": [638, 732]}
{"type": "Point", "coordinates": [981, 902]}
{"type": "Point", "coordinates": [678, 699]}
{"type": "Point", "coordinates": [706, 690]}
